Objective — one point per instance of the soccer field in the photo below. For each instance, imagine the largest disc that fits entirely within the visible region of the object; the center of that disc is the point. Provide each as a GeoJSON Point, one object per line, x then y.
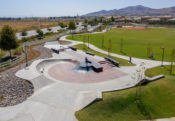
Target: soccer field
{"type": "Point", "coordinates": [136, 43]}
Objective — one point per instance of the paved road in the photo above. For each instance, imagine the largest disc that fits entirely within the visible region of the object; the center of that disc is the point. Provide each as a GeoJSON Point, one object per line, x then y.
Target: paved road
{"type": "Point", "coordinates": [34, 33]}
{"type": "Point", "coordinates": [55, 30]}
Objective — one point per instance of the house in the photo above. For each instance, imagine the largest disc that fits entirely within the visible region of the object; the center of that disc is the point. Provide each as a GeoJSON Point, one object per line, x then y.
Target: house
{"type": "Point", "coordinates": [171, 20]}
{"type": "Point", "coordinates": [137, 19]}
{"type": "Point", "coordinates": [165, 18]}
{"type": "Point", "coordinates": [145, 19]}
{"type": "Point", "coordinates": [154, 20]}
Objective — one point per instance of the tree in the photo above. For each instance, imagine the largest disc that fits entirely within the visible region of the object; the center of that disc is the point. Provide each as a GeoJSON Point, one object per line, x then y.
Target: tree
{"type": "Point", "coordinates": [62, 25]}
{"type": "Point", "coordinates": [72, 27]}
{"type": "Point", "coordinates": [40, 33]}
{"type": "Point", "coordinates": [112, 19]}
{"type": "Point", "coordinates": [109, 47]}
{"type": "Point", "coordinates": [101, 19]}
{"type": "Point", "coordinates": [121, 45]}
{"type": "Point", "coordinates": [85, 25]}
{"type": "Point", "coordinates": [149, 50]}
{"type": "Point", "coordinates": [172, 61]}
{"type": "Point", "coordinates": [84, 43]}
{"type": "Point", "coordinates": [24, 33]}
{"type": "Point", "coordinates": [8, 39]}
{"type": "Point", "coordinates": [103, 39]}
{"type": "Point", "coordinates": [88, 41]}
{"type": "Point", "coordinates": [139, 77]}
{"type": "Point", "coordinates": [85, 21]}
{"type": "Point", "coordinates": [95, 20]}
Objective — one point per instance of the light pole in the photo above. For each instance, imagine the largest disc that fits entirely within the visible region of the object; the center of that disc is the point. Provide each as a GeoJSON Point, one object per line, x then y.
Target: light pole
{"type": "Point", "coordinates": [25, 52]}
{"type": "Point", "coordinates": [88, 42]}
{"type": "Point", "coordinates": [163, 52]}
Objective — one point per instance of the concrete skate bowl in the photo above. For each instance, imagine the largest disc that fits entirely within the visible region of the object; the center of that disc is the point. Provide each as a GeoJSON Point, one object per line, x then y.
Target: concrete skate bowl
{"type": "Point", "coordinates": [64, 70]}
{"type": "Point", "coordinates": [42, 66]}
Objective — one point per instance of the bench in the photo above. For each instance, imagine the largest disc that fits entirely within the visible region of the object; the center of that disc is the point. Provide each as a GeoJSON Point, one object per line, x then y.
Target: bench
{"type": "Point", "coordinates": [55, 51]}
{"type": "Point", "coordinates": [97, 67]}
{"type": "Point", "coordinates": [73, 48]}
{"type": "Point", "coordinates": [92, 54]}
{"type": "Point", "coordinates": [114, 62]}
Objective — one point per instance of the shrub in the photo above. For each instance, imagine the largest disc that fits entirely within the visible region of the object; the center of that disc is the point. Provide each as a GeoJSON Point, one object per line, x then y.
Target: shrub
{"type": "Point", "coordinates": [49, 29]}
{"type": "Point", "coordinates": [40, 34]}
{"type": "Point", "coordinates": [24, 39]}
{"type": "Point", "coordinates": [18, 51]}
{"type": "Point", "coordinates": [24, 33]}
{"type": "Point", "coordinates": [119, 26]}
{"type": "Point", "coordinates": [1, 98]}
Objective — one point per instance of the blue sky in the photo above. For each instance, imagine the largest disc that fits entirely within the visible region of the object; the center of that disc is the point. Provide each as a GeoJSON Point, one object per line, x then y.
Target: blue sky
{"type": "Point", "coordinates": [46, 8]}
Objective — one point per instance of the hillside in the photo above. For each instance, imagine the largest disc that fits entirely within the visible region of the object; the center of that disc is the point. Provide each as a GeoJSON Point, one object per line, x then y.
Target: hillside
{"type": "Point", "coordinates": [138, 10]}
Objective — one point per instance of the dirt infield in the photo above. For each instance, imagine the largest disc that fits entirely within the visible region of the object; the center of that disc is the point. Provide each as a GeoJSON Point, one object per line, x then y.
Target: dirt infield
{"type": "Point", "coordinates": [134, 28]}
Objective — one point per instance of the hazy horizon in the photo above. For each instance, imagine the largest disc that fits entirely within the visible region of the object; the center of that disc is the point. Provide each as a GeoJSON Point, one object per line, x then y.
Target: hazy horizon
{"type": "Point", "coordinates": [48, 8]}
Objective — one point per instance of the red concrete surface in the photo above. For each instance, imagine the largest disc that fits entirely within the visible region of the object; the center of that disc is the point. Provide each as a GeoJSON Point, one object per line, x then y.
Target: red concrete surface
{"type": "Point", "coordinates": [63, 72]}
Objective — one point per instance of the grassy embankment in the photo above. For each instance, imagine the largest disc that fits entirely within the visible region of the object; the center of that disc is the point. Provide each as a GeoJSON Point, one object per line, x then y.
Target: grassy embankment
{"type": "Point", "coordinates": [158, 100]}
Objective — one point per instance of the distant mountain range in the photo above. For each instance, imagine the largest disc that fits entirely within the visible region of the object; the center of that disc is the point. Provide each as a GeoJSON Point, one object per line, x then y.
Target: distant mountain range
{"type": "Point", "coordinates": [138, 10]}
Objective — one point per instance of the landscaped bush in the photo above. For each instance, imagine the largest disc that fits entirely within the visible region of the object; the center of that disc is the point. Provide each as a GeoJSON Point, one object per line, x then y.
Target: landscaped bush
{"type": "Point", "coordinates": [40, 34]}
{"type": "Point", "coordinates": [1, 98]}
{"type": "Point", "coordinates": [60, 31]}
{"type": "Point", "coordinates": [24, 39]}
{"type": "Point", "coordinates": [49, 29]}
{"type": "Point", "coordinates": [49, 33]}
{"type": "Point", "coordinates": [24, 33]}
{"type": "Point", "coordinates": [119, 26]}
{"type": "Point", "coordinates": [18, 51]}
{"type": "Point", "coordinates": [99, 29]}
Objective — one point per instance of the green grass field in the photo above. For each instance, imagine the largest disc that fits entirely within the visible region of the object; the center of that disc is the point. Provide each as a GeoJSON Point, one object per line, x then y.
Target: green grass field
{"type": "Point", "coordinates": [158, 100]}
{"type": "Point", "coordinates": [135, 42]}
{"type": "Point", "coordinates": [85, 48]}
